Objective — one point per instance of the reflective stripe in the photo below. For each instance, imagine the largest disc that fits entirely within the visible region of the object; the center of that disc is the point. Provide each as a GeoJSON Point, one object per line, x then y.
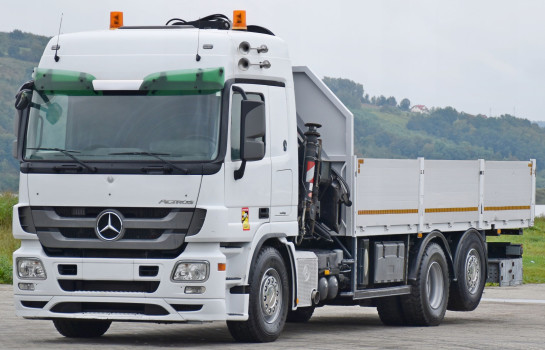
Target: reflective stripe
{"type": "Point", "coordinates": [310, 172]}
{"type": "Point", "coordinates": [388, 211]}
{"type": "Point", "coordinates": [450, 210]}
{"type": "Point", "coordinates": [515, 207]}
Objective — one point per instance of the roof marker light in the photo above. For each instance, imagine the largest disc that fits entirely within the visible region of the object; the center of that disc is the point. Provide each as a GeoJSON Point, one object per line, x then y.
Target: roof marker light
{"type": "Point", "coordinates": [116, 19]}
{"type": "Point", "coordinates": [239, 20]}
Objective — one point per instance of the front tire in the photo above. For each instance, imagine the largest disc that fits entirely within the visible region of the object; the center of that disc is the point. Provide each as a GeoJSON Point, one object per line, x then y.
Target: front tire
{"type": "Point", "coordinates": [269, 299]}
{"type": "Point", "coordinates": [466, 293]}
{"type": "Point", "coordinates": [427, 303]}
{"type": "Point", "coordinates": [72, 328]}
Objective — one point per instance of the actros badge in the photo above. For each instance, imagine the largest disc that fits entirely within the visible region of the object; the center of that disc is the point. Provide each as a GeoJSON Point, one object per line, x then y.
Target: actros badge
{"type": "Point", "coordinates": [109, 226]}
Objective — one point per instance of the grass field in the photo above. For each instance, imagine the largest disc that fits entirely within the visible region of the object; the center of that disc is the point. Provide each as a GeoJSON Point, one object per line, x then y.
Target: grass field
{"type": "Point", "coordinates": [533, 258]}
{"type": "Point", "coordinates": [7, 243]}
{"type": "Point", "coordinates": [533, 241]}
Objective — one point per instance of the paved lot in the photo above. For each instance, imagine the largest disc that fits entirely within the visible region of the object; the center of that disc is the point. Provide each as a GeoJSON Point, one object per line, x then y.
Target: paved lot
{"type": "Point", "coordinates": [508, 318]}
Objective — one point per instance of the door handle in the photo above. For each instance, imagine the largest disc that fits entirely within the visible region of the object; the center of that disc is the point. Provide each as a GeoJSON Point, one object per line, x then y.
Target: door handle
{"type": "Point", "coordinates": [263, 213]}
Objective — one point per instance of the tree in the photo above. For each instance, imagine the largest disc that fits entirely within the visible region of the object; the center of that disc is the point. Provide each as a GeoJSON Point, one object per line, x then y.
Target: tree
{"type": "Point", "coordinates": [16, 35]}
{"type": "Point", "coordinates": [348, 91]}
{"type": "Point", "coordinates": [391, 101]}
{"type": "Point", "coordinates": [405, 104]}
{"type": "Point", "coordinates": [381, 100]}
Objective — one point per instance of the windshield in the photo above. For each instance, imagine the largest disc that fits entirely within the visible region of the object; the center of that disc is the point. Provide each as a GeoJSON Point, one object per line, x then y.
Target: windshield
{"type": "Point", "coordinates": [123, 126]}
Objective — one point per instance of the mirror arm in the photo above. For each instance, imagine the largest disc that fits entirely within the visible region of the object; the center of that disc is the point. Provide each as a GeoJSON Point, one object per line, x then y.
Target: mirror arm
{"type": "Point", "coordinates": [239, 173]}
{"type": "Point", "coordinates": [240, 91]}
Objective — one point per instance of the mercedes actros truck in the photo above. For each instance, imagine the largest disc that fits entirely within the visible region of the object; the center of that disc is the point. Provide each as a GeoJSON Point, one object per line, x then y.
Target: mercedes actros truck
{"type": "Point", "coordinates": [189, 173]}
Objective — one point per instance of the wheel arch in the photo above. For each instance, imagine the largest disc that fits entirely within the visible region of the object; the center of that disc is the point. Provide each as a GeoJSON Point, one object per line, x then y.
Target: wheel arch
{"type": "Point", "coordinates": [460, 241]}
{"type": "Point", "coordinates": [419, 249]}
{"type": "Point", "coordinates": [286, 250]}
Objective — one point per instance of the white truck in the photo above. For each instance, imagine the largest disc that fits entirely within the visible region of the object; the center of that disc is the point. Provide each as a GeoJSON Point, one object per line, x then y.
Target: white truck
{"type": "Point", "coordinates": [189, 173]}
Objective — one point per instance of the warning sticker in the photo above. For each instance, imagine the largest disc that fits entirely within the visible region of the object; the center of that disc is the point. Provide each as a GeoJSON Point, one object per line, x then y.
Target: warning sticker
{"type": "Point", "coordinates": [245, 219]}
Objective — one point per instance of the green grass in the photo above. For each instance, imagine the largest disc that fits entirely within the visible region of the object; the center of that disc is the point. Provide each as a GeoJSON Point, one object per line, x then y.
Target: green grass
{"type": "Point", "coordinates": [8, 244]}
{"type": "Point", "coordinates": [533, 258]}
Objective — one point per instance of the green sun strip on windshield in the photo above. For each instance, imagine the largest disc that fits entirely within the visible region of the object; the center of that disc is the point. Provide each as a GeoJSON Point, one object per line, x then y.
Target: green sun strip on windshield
{"type": "Point", "coordinates": [185, 82]}
{"type": "Point", "coordinates": [65, 82]}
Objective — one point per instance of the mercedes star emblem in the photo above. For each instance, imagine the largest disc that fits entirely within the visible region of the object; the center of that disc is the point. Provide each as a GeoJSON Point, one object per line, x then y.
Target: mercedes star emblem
{"type": "Point", "coordinates": [109, 225]}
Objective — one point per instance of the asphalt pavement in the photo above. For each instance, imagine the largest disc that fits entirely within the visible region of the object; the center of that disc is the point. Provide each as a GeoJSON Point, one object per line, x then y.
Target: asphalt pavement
{"type": "Point", "coordinates": [507, 318]}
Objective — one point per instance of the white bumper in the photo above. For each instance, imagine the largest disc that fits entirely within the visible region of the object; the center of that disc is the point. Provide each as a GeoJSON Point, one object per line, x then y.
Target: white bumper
{"type": "Point", "coordinates": [49, 300]}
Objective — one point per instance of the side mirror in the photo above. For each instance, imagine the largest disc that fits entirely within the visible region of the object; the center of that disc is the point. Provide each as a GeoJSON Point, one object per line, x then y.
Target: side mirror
{"type": "Point", "coordinates": [252, 146]}
{"type": "Point", "coordinates": [22, 99]}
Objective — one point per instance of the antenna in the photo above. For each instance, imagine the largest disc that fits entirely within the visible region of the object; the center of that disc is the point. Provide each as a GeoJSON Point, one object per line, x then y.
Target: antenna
{"type": "Point", "coordinates": [57, 47]}
{"type": "Point", "coordinates": [198, 57]}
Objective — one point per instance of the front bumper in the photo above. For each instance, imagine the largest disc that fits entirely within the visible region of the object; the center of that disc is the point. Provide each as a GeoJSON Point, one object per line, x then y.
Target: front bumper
{"type": "Point", "coordinates": [166, 302]}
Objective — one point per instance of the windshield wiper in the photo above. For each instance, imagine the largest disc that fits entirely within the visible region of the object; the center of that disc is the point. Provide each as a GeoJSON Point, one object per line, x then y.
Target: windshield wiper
{"type": "Point", "coordinates": [154, 155]}
{"type": "Point", "coordinates": [69, 154]}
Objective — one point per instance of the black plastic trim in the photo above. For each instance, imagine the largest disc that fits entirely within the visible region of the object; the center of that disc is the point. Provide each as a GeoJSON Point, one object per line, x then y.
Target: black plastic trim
{"type": "Point", "coordinates": [109, 286]}
{"type": "Point", "coordinates": [240, 290]}
{"type": "Point", "coordinates": [34, 304]}
{"type": "Point", "coordinates": [186, 307]}
{"type": "Point", "coordinates": [132, 168]}
{"type": "Point", "coordinates": [113, 253]}
{"type": "Point", "coordinates": [67, 269]}
{"type": "Point", "coordinates": [260, 82]}
{"type": "Point", "coordinates": [109, 308]}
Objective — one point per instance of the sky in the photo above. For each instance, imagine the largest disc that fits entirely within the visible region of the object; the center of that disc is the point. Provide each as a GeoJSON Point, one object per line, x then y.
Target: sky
{"type": "Point", "coordinates": [478, 56]}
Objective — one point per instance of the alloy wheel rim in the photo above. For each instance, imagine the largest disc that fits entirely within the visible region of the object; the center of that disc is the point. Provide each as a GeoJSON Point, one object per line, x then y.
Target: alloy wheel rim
{"type": "Point", "coordinates": [473, 271]}
{"type": "Point", "coordinates": [435, 285]}
{"type": "Point", "coordinates": [271, 295]}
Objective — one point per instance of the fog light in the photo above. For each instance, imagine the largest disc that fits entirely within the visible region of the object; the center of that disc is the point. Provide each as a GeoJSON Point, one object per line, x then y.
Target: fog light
{"type": "Point", "coordinates": [190, 271]}
{"type": "Point", "coordinates": [194, 290]}
{"type": "Point", "coordinates": [26, 286]}
{"type": "Point", "coordinates": [30, 268]}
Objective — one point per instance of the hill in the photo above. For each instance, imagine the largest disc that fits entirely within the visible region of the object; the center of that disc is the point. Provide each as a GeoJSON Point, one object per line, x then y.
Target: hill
{"type": "Point", "coordinates": [389, 130]}
{"type": "Point", "coordinates": [383, 127]}
{"type": "Point", "coordinates": [19, 54]}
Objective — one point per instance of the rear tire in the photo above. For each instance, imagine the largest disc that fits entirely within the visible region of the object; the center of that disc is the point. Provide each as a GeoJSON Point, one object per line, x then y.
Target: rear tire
{"type": "Point", "coordinates": [301, 315]}
{"type": "Point", "coordinates": [466, 293]}
{"type": "Point", "coordinates": [427, 303]}
{"type": "Point", "coordinates": [269, 299]}
{"type": "Point", "coordinates": [390, 311]}
{"type": "Point", "coordinates": [72, 328]}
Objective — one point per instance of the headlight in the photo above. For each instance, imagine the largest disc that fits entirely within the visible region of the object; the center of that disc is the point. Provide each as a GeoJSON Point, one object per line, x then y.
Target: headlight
{"type": "Point", "coordinates": [190, 271]}
{"type": "Point", "coordinates": [30, 268]}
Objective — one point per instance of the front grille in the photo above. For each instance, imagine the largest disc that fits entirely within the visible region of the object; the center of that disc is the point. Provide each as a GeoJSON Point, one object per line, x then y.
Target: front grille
{"type": "Point", "coordinates": [113, 253]}
{"type": "Point", "coordinates": [109, 308]}
{"type": "Point", "coordinates": [149, 232]}
{"type": "Point", "coordinates": [132, 233]}
{"type": "Point", "coordinates": [129, 213]}
{"type": "Point", "coordinates": [109, 286]}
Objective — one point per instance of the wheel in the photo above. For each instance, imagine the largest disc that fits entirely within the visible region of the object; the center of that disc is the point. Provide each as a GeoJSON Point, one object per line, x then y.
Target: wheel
{"type": "Point", "coordinates": [466, 293]}
{"type": "Point", "coordinates": [71, 328]}
{"type": "Point", "coordinates": [302, 314]}
{"type": "Point", "coordinates": [427, 303]}
{"type": "Point", "coordinates": [269, 298]}
{"type": "Point", "coordinates": [390, 311]}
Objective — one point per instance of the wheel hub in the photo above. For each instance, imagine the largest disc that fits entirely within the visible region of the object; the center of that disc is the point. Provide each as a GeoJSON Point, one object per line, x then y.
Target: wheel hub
{"type": "Point", "coordinates": [271, 295]}
{"type": "Point", "coordinates": [473, 271]}
{"type": "Point", "coordinates": [435, 285]}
